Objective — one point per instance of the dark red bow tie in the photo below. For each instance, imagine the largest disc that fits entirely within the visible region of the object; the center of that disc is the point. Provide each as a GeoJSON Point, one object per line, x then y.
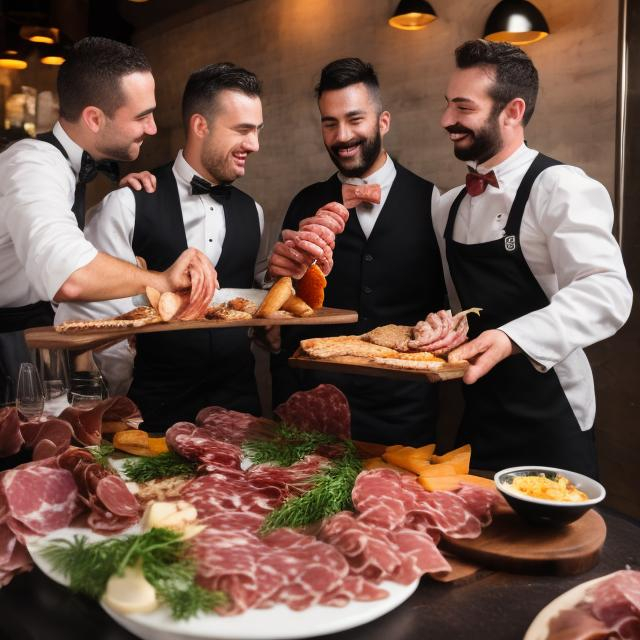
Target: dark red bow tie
{"type": "Point", "coordinates": [477, 182]}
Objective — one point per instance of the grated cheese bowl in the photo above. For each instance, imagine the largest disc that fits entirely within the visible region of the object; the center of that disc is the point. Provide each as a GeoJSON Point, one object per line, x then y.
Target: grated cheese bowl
{"type": "Point", "coordinates": [545, 511]}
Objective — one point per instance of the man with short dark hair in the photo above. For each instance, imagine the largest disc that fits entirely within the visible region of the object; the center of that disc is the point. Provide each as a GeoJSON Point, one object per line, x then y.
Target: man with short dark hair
{"type": "Point", "coordinates": [385, 263]}
{"type": "Point", "coordinates": [106, 109]}
{"type": "Point", "coordinates": [177, 373]}
{"type": "Point", "coordinates": [528, 240]}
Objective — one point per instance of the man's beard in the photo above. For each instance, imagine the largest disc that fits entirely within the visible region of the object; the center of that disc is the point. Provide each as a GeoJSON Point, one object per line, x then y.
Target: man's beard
{"type": "Point", "coordinates": [486, 141]}
{"type": "Point", "coordinates": [369, 151]}
{"type": "Point", "coordinates": [214, 163]}
{"type": "Point", "coordinates": [119, 154]}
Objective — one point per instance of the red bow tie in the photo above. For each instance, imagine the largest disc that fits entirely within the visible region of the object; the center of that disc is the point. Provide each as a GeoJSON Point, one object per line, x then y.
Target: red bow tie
{"type": "Point", "coordinates": [355, 194]}
{"type": "Point", "coordinates": [477, 182]}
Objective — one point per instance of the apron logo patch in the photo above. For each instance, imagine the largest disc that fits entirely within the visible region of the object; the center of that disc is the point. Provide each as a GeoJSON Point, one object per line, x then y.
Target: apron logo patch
{"type": "Point", "coordinates": [510, 243]}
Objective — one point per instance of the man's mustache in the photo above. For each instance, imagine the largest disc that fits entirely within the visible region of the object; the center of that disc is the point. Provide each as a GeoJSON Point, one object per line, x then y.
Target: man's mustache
{"type": "Point", "coordinates": [458, 128]}
{"type": "Point", "coordinates": [346, 145]}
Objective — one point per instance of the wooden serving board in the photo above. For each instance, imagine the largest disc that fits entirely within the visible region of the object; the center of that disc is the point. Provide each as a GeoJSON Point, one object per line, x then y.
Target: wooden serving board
{"type": "Point", "coordinates": [366, 367]}
{"type": "Point", "coordinates": [512, 544]}
{"type": "Point", "coordinates": [49, 338]}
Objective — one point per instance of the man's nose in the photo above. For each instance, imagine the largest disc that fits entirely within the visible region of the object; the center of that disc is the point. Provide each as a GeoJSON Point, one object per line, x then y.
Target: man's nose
{"type": "Point", "coordinates": [151, 129]}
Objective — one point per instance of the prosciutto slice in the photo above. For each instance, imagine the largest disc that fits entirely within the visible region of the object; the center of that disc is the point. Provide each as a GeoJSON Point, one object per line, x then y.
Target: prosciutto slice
{"type": "Point", "coordinates": [324, 408]}
{"type": "Point", "coordinates": [11, 439]}
{"type": "Point", "coordinates": [230, 426]}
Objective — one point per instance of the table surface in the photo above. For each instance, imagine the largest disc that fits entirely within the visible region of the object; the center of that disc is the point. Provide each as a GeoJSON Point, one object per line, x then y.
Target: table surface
{"type": "Point", "coordinates": [487, 605]}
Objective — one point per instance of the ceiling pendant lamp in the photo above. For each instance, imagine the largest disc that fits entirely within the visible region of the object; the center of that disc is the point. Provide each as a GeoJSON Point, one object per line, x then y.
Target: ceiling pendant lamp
{"type": "Point", "coordinates": [39, 34]}
{"type": "Point", "coordinates": [516, 21]}
{"type": "Point", "coordinates": [412, 15]}
{"type": "Point", "coordinates": [53, 55]}
{"type": "Point", "coordinates": [12, 59]}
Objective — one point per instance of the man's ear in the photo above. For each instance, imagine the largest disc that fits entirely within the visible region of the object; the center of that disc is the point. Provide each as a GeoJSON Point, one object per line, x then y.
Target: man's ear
{"type": "Point", "coordinates": [93, 118]}
{"type": "Point", "coordinates": [384, 122]}
{"type": "Point", "coordinates": [199, 125]}
{"type": "Point", "coordinates": [514, 112]}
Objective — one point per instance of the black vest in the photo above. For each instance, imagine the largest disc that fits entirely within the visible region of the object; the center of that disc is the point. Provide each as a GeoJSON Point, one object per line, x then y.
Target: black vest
{"type": "Point", "coordinates": [190, 364]}
{"type": "Point", "coordinates": [393, 277]}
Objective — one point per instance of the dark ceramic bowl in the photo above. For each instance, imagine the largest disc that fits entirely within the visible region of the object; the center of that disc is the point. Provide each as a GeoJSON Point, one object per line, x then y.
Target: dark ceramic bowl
{"type": "Point", "coordinates": [553, 512]}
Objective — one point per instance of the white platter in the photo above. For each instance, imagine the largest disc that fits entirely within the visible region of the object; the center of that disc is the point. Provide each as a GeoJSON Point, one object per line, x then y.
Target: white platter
{"type": "Point", "coordinates": [539, 628]}
{"type": "Point", "coordinates": [276, 623]}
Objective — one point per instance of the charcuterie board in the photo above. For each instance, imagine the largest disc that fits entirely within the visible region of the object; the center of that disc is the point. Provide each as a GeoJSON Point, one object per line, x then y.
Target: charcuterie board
{"type": "Point", "coordinates": [49, 338]}
{"type": "Point", "coordinates": [511, 544]}
{"type": "Point", "coordinates": [367, 367]}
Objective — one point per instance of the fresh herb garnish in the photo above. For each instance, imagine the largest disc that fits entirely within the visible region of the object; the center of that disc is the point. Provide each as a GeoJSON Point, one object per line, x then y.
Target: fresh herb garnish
{"type": "Point", "coordinates": [165, 564]}
{"type": "Point", "coordinates": [287, 446]}
{"type": "Point", "coordinates": [101, 453]}
{"type": "Point", "coordinates": [331, 493]}
{"type": "Point", "coordinates": [165, 465]}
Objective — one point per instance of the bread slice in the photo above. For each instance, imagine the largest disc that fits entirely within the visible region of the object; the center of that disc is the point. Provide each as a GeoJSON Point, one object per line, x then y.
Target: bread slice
{"type": "Point", "coordinates": [343, 346]}
{"type": "Point", "coordinates": [394, 336]}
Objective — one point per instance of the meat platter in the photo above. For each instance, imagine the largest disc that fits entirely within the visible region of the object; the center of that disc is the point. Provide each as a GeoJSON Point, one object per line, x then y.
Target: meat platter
{"type": "Point", "coordinates": [49, 338]}
{"type": "Point", "coordinates": [255, 624]}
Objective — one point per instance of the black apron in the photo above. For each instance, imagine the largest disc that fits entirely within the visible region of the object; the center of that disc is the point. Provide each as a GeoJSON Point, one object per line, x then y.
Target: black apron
{"type": "Point", "coordinates": [514, 415]}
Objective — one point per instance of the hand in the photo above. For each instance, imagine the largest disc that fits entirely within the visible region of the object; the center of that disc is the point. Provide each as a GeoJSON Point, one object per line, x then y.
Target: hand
{"type": "Point", "coordinates": [333, 216]}
{"type": "Point", "coordinates": [267, 338]}
{"type": "Point", "coordinates": [483, 353]}
{"type": "Point", "coordinates": [287, 260]}
{"type": "Point", "coordinates": [193, 270]}
{"type": "Point", "coordinates": [137, 181]}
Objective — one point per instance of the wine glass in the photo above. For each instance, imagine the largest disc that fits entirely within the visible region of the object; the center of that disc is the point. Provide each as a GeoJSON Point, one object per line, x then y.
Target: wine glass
{"type": "Point", "coordinates": [54, 373]}
{"type": "Point", "coordinates": [85, 400]}
{"type": "Point", "coordinates": [29, 396]}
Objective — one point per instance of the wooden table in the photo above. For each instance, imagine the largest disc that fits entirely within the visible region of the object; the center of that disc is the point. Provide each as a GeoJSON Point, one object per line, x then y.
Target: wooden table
{"type": "Point", "coordinates": [485, 606]}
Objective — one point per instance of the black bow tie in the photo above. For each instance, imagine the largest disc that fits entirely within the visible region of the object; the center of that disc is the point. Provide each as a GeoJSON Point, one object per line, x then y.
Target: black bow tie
{"type": "Point", "coordinates": [219, 192]}
{"type": "Point", "coordinates": [89, 169]}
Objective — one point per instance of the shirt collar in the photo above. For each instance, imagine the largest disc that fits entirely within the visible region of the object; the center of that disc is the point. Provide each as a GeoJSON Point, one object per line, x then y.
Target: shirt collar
{"type": "Point", "coordinates": [184, 170]}
{"type": "Point", "coordinates": [74, 151]}
{"type": "Point", "coordinates": [383, 176]}
{"type": "Point", "coordinates": [522, 155]}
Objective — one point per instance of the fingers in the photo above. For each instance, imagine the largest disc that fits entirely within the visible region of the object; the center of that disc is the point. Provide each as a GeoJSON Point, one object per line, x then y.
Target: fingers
{"type": "Point", "coordinates": [332, 224]}
{"type": "Point", "coordinates": [336, 208]}
{"type": "Point", "coordinates": [286, 260]}
{"type": "Point", "coordinates": [141, 180]}
{"type": "Point", "coordinates": [483, 353]}
{"type": "Point", "coordinates": [322, 232]}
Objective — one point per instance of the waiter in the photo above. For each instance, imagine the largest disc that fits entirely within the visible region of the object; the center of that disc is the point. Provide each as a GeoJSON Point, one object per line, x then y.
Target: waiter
{"type": "Point", "coordinates": [177, 373]}
{"type": "Point", "coordinates": [385, 264]}
{"type": "Point", "coordinates": [106, 94]}
{"type": "Point", "coordinates": [528, 240]}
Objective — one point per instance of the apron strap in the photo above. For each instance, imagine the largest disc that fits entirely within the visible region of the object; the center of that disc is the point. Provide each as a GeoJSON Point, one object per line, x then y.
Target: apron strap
{"type": "Point", "coordinates": [453, 212]}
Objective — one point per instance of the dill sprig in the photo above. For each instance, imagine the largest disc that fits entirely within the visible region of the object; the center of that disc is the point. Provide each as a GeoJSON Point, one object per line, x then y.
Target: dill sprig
{"type": "Point", "coordinates": [165, 465]}
{"type": "Point", "coordinates": [330, 493]}
{"type": "Point", "coordinates": [287, 446]}
{"type": "Point", "coordinates": [163, 555]}
{"type": "Point", "coordinates": [101, 453]}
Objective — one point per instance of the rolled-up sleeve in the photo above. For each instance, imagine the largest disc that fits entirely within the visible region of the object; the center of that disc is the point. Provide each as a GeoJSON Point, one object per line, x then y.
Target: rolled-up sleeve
{"type": "Point", "coordinates": [593, 297]}
{"type": "Point", "coordinates": [47, 241]}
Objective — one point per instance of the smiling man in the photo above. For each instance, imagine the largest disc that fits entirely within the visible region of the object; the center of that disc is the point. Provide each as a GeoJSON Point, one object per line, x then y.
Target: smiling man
{"type": "Point", "coordinates": [385, 263]}
{"type": "Point", "coordinates": [175, 374]}
{"type": "Point", "coordinates": [528, 240]}
{"type": "Point", "coordinates": [106, 93]}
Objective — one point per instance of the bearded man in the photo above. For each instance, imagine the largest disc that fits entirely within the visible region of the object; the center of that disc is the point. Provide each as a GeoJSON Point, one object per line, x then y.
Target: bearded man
{"type": "Point", "coordinates": [385, 262]}
{"type": "Point", "coordinates": [528, 240]}
{"type": "Point", "coordinates": [176, 373]}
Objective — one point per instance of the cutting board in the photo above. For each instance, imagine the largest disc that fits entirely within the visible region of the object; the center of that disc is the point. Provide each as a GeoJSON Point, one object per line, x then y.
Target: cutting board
{"type": "Point", "coordinates": [512, 544]}
{"type": "Point", "coordinates": [49, 338]}
{"type": "Point", "coordinates": [366, 367]}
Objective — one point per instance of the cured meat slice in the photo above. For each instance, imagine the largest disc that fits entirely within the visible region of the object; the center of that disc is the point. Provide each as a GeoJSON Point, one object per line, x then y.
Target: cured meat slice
{"type": "Point", "coordinates": [230, 426]}
{"type": "Point", "coordinates": [116, 497]}
{"type": "Point", "coordinates": [87, 424]}
{"type": "Point", "coordinates": [293, 479]}
{"type": "Point", "coordinates": [200, 444]}
{"type": "Point", "coordinates": [14, 557]}
{"type": "Point", "coordinates": [480, 501]}
{"type": "Point", "coordinates": [48, 438]}
{"type": "Point", "coordinates": [42, 498]}
{"type": "Point", "coordinates": [11, 439]}
{"type": "Point", "coordinates": [353, 588]}
{"type": "Point", "coordinates": [323, 409]}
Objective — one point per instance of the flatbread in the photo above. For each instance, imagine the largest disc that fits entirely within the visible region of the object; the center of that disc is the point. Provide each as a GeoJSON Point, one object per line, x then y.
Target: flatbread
{"type": "Point", "coordinates": [344, 346]}
{"type": "Point", "coordinates": [429, 365]}
{"type": "Point", "coordinates": [138, 317]}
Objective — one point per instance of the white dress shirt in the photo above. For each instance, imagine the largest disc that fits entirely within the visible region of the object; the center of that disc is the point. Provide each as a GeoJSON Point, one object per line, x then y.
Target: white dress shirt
{"type": "Point", "coordinates": [40, 242]}
{"type": "Point", "coordinates": [367, 212]}
{"type": "Point", "coordinates": [567, 242]}
{"type": "Point", "coordinates": [110, 227]}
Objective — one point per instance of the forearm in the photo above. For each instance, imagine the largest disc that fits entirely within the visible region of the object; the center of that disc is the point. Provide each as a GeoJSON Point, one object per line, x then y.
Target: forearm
{"type": "Point", "coordinates": [105, 278]}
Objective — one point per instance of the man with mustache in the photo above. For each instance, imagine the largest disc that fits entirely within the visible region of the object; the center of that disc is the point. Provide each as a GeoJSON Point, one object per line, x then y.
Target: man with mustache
{"type": "Point", "coordinates": [385, 262]}
{"type": "Point", "coordinates": [177, 373]}
{"type": "Point", "coordinates": [106, 93]}
{"type": "Point", "coordinates": [528, 240]}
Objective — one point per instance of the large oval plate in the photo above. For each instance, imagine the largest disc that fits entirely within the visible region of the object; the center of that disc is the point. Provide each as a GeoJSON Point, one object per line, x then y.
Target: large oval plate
{"type": "Point", "coordinates": [276, 623]}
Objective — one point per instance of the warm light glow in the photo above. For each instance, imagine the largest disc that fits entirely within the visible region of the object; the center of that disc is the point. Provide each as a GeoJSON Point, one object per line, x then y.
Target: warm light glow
{"type": "Point", "coordinates": [12, 63]}
{"type": "Point", "coordinates": [41, 39]}
{"type": "Point", "coordinates": [411, 21]}
{"type": "Point", "coordinates": [519, 38]}
{"type": "Point", "coordinates": [53, 60]}
{"type": "Point", "coordinates": [41, 35]}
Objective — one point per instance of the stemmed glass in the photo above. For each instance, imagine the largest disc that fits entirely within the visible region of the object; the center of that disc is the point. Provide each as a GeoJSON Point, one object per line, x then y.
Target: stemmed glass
{"type": "Point", "coordinates": [54, 372]}
{"type": "Point", "coordinates": [29, 396]}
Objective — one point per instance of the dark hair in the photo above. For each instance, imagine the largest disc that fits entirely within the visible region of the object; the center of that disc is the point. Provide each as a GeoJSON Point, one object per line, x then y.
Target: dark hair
{"type": "Point", "coordinates": [516, 76]}
{"type": "Point", "coordinates": [204, 85]}
{"type": "Point", "coordinates": [347, 71]}
{"type": "Point", "coordinates": [91, 75]}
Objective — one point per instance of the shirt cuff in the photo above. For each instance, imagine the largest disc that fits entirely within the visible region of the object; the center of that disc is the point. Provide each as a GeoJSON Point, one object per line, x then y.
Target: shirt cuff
{"type": "Point", "coordinates": [520, 340]}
